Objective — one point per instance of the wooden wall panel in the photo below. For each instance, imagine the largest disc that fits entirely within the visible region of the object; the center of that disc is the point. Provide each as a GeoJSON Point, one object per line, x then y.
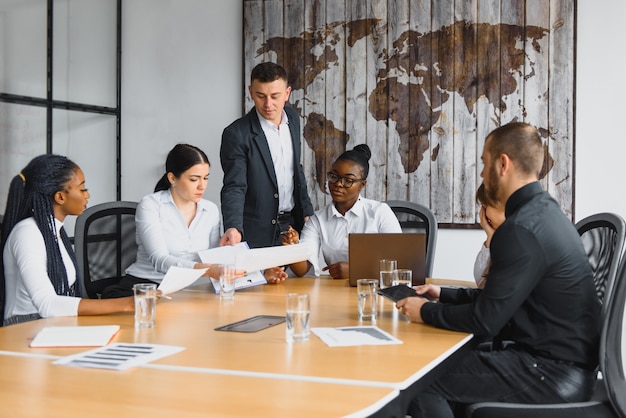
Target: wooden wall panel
{"type": "Point", "coordinates": [422, 82]}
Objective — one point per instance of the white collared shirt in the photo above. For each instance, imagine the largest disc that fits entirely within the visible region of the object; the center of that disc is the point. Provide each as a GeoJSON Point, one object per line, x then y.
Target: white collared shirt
{"type": "Point", "coordinates": [281, 148]}
{"type": "Point", "coordinates": [163, 238]}
{"type": "Point", "coordinates": [28, 286]}
{"type": "Point", "coordinates": [327, 231]}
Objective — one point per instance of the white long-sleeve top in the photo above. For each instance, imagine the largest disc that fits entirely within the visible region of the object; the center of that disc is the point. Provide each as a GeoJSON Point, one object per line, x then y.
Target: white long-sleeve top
{"type": "Point", "coordinates": [163, 238]}
{"type": "Point", "coordinates": [28, 286]}
{"type": "Point", "coordinates": [327, 231]}
{"type": "Point", "coordinates": [481, 265]}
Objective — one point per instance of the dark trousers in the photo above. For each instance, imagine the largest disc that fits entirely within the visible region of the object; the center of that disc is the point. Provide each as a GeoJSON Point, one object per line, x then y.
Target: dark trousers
{"type": "Point", "coordinates": [509, 375]}
{"type": "Point", "coordinates": [123, 288]}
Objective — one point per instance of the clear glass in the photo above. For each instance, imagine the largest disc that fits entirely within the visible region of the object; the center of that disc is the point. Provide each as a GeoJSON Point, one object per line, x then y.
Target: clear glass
{"type": "Point", "coordinates": [387, 269]}
{"type": "Point", "coordinates": [367, 299]}
{"type": "Point", "coordinates": [227, 282]}
{"type": "Point", "coordinates": [145, 304]}
{"type": "Point", "coordinates": [298, 313]}
{"type": "Point", "coordinates": [404, 277]}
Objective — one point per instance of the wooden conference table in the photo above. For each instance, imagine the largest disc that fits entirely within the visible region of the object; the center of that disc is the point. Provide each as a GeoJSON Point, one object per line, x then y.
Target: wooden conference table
{"type": "Point", "coordinates": [231, 373]}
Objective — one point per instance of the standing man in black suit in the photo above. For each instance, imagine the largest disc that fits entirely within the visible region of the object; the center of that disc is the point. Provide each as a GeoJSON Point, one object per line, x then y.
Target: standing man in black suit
{"type": "Point", "coordinates": [264, 188]}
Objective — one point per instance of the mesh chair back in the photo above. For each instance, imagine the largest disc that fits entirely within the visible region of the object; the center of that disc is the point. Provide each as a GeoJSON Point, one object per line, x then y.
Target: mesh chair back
{"type": "Point", "coordinates": [414, 217]}
{"type": "Point", "coordinates": [603, 236]}
{"type": "Point", "coordinates": [613, 344]}
{"type": "Point", "coordinates": [105, 244]}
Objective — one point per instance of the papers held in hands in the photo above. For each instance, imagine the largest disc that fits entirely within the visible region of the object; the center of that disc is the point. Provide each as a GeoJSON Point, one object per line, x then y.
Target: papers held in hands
{"type": "Point", "coordinates": [253, 260]}
{"type": "Point", "coordinates": [75, 336]}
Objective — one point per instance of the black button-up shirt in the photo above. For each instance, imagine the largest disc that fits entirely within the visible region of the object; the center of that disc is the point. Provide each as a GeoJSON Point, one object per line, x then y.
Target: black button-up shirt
{"type": "Point", "coordinates": [539, 292]}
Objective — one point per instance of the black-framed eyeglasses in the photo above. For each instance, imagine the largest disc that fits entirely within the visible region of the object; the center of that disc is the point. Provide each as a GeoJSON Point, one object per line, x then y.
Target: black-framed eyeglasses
{"type": "Point", "coordinates": [346, 182]}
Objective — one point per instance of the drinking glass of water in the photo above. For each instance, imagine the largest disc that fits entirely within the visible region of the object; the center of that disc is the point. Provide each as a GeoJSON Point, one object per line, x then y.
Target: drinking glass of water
{"type": "Point", "coordinates": [297, 318]}
{"type": "Point", "coordinates": [387, 272]}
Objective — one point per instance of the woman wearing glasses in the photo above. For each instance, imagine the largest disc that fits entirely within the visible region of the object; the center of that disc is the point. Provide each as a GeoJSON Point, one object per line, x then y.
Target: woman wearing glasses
{"type": "Point", "coordinates": [327, 231]}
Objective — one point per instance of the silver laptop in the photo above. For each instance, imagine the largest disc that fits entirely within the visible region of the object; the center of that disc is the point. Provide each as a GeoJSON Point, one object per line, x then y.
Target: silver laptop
{"type": "Point", "coordinates": [364, 251]}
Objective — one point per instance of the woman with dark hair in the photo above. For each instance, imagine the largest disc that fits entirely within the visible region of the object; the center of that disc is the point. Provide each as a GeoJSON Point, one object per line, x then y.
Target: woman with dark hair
{"type": "Point", "coordinates": [174, 223]}
{"type": "Point", "coordinates": [491, 217]}
{"type": "Point", "coordinates": [39, 267]}
{"type": "Point", "coordinates": [327, 231]}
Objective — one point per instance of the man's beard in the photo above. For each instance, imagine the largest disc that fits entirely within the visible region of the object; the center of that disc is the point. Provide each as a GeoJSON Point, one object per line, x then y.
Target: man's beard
{"type": "Point", "coordinates": [493, 187]}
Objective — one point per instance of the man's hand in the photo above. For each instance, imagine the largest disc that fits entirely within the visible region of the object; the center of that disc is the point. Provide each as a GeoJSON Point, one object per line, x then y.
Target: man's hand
{"type": "Point", "coordinates": [411, 307]}
{"type": "Point", "coordinates": [232, 236]}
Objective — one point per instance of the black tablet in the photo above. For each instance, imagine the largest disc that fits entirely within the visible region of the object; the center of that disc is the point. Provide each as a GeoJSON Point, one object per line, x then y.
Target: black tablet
{"type": "Point", "coordinates": [253, 324]}
{"type": "Point", "coordinates": [400, 291]}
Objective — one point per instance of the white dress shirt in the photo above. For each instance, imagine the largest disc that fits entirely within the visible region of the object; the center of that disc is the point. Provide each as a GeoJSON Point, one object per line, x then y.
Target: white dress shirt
{"type": "Point", "coordinates": [163, 238]}
{"type": "Point", "coordinates": [28, 286]}
{"type": "Point", "coordinates": [281, 148]}
{"type": "Point", "coordinates": [327, 230]}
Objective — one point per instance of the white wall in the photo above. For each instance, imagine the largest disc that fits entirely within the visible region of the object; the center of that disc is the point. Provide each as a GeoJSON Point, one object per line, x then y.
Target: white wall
{"type": "Point", "coordinates": [182, 77]}
{"type": "Point", "coordinates": [181, 82]}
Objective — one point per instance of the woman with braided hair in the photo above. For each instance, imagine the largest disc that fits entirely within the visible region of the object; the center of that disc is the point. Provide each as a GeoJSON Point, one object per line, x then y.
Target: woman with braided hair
{"type": "Point", "coordinates": [39, 272]}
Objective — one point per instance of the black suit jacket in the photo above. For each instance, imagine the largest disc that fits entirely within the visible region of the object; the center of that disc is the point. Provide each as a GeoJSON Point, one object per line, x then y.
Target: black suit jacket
{"type": "Point", "coordinates": [250, 192]}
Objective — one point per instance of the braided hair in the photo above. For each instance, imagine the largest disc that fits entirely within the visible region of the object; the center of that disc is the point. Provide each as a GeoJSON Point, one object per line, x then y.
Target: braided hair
{"type": "Point", "coordinates": [31, 194]}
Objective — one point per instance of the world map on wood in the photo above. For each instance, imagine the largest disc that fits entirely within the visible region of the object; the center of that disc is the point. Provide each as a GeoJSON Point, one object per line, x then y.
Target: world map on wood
{"type": "Point", "coordinates": [422, 84]}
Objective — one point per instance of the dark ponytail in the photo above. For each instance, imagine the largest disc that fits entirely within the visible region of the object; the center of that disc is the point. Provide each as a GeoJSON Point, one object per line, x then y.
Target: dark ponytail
{"type": "Point", "coordinates": [180, 159]}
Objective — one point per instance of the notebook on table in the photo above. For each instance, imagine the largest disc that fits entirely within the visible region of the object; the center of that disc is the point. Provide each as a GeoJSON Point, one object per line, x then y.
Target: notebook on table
{"type": "Point", "coordinates": [365, 250]}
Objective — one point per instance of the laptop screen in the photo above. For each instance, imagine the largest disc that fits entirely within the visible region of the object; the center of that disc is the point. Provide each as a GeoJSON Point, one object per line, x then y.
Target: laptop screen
{"type": "Point", "coordinates": [365, 250]}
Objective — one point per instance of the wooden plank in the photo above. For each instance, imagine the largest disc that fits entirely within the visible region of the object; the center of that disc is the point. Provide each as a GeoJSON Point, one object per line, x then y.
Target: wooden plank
{"type": "Point", "coordinates": [254, 35]}
{"type": "Point", "coordinates": [376, 131]}
{"type": "Point", "coordinates": [464, 117]}
{"type": "Point", "coordinates": [560, 102]}
{"type": "Point", "coordinates": [335, 128]}
{"type": "Point", "coordinates": [537, 73]}
{"type": "Point", "coordinates": [488, 88]}
{"type": "Point", "coordinates": [421, 119]}
{"type": "Point", "coordinates": [512, 61]}
{"type": "Point", "coordinates": [356, 84]}
{"type": "Point", "coordinates": [314, 100]}
{"type": "Point", "coordinates": [442, 163]}
{"type": "Point", "coordinates": [399, 109]}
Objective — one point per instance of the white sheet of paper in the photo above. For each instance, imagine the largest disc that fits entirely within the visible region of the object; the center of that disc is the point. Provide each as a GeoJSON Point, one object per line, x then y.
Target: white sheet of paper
{"type": "Point", "coordinates": [358, 335]}
{"type": "Point", "coordinates": [178, 278]}
{"type": "Point", "coordinates": [119, 356]}
{"type": "Point", "coordinates": [223, 255]}
{"type": "Point", "coordinates": [256, 259]}
{"type": "Point", "coordinates": [75, 336]}
{"type": "Point", "coordinates": [263, 258]}
{"type": "Point", "coordinates": [230, 254]}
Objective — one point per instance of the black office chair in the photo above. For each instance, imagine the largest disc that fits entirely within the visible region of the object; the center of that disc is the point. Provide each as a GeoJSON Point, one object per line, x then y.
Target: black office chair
{"type": "Point", "coordinates": [414, 217]}
{"type": "Point", "coordinates": [608, 400]}
{"type": "Point", "coordinates": [105, 244]}
{"type": "Point", "coordinates": [603, 236]}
